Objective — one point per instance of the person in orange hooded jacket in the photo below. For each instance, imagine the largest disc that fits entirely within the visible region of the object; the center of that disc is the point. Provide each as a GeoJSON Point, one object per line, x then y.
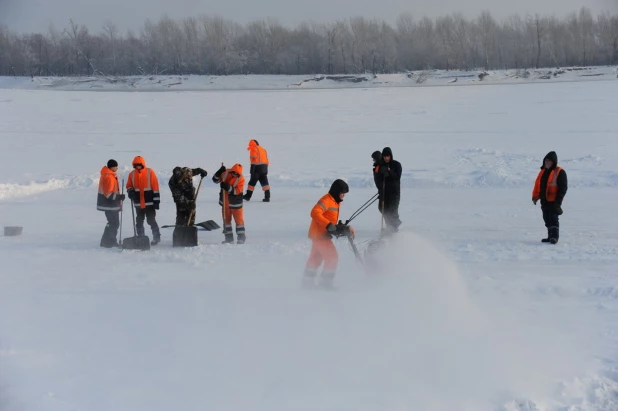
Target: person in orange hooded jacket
{"type": "Point", "coordinates": [110, 200]}
{"type": "Point", "coordinates": [324, 224]}
{"type": "Point", "coordinates": [259, 170]}
{"type": "Point", "coordinates": [232, 185]}
{"type": "Point", "coordinates": [143, 189]}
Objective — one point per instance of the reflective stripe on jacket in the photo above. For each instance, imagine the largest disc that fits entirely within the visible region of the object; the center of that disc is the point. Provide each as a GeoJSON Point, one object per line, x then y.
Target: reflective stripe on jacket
{"type": "Point", "coordinates": [107, 198]}
{"type": "Point", "coordinates": [145, 183]}
{"type": "Point", "coordinates": [324, 212]}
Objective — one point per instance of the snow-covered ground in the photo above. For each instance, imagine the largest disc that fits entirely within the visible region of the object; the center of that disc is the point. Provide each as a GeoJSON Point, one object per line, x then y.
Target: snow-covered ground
{"type": "Point", "coordinates": [427, 78]}
{"type": "Point", "coordinates": [468, 311]}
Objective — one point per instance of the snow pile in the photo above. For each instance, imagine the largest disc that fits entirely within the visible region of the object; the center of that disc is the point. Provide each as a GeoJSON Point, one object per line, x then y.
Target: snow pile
{"type": "Point", "coordinates": [274, 82]}
{"type": "Point", "coordinates": [13, 190]}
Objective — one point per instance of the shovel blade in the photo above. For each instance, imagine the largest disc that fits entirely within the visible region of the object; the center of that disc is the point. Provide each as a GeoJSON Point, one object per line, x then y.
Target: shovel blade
{"type": "Point", "coordinates": [208, 225]}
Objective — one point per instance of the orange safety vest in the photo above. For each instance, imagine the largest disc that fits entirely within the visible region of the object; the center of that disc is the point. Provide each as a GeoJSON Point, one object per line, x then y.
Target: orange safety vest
{"type": "Point", "coordinates": [552, 185]}
{"type": "Point", "coordinates": [145, 183]}
{"type": "Point", "coordinates": [324, 212]}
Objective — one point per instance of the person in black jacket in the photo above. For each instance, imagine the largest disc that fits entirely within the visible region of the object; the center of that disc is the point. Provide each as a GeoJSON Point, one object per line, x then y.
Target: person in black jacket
{"type": "Point", "coordinates": [181, 186]}
{"type": "Point", "coordinates": [387, 176]}
{"type": "Point", "coordinates": [550, 187]}
{"type": "Point", "coordinates": [377, 159]}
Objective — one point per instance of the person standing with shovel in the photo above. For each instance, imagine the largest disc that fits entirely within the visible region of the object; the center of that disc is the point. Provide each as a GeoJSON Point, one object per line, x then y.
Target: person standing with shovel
{"type": "Point", "coordinates": [143, 190]}
{"type": "Point", "coordinates": [232, 185]}
{"type": "Point", "coordinates": [110, 201]}
{"type": "Point", "coordinates": [183, 192]}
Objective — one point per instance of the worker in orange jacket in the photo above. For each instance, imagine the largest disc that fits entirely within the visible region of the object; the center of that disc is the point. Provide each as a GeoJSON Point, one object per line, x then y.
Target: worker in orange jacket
{"type": "Point", "coordinates": [259, 170]}
{"type": "Point", "coordinates": [324, 225]}
{"type": "Point", "coordinates": [550, 187]}
{"type": "Point", "coordinates": [110, 200]}
{"type": "Point", "coordinates": [232, 184]}
{"type": "Point", "coordinates": [143, 189]}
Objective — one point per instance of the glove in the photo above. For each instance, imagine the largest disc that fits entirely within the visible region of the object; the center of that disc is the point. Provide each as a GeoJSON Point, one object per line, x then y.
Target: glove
{"type": "Point", "coordinates": [331, 228]}
{"type": "Point", "coordinates": [558, 209]}
{"type": "Point", "coordinates": [203, 173]}
{"type": "Point", "coordinates": [131, 195]}
{"type": "Point", "coordinates": [121, 197]}
{"type": "Point", "coordinates": [385, 170]}
{"type": "Point", "coordinates": [344, 230]}
{"type": "Point", "coordinates": [534, 200]}
{"type": "Point", "coordinates": [156, 206]}
{"type": "Point", "coordinates": [225, 186]}
{"type": "Point", "coordinates": [339, 230]}
{"type": "Point", "coordinates": [220, 171]}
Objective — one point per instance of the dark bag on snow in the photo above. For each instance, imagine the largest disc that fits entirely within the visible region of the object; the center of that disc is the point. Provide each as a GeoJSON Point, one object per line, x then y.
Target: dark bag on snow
{"type": "Point", "coordinates": [185, 236]}
{"type": "Point", "coordinates": [139, 242]}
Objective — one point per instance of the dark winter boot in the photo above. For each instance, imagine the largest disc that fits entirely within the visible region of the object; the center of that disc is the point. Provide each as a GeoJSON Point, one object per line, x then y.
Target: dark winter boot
{"type": "Point", "coordinates": [546, 240]}
{"type": "Point", "coordinates": [241, 239]}
{"type": "Point", "coordinates": [248, 195]}
{"type": "Point", "coordinates": [108, 240]}
{"type": "Point", "coordinates": [140, 231]}
{"type": "Point", "coordinates": [156, 236]}
{"type": "Point", "coordinates": [266, 196]}
{"type": "Point", "coordinates": [553, 234]}
{"type": "Point", "coordinates": [229, 239]}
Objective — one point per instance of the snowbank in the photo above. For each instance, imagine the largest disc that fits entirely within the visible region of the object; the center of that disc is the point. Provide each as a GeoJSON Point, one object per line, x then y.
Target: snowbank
{"type": "Point", "coordinates": [274, 82]}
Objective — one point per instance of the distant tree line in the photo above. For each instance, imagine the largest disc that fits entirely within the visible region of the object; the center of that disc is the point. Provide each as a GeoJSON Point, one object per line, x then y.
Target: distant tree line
{"type": "Point", "coordinates": [215, 46]}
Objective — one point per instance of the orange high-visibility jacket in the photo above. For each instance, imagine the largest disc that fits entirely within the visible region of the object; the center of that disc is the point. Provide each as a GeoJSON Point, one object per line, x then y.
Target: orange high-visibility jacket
{"type": "Point", "coordinates": [552, 185]}
{"type": "Point", "coordinates": [145, 183]}
{"type": "Point", "coordinates": [232, 176]}
{"type": "Point", "coordinates": [324, 212]}
{"type": "Point", "coordinates": [257, 154]}
{"type": "Point", "coordinates": [107, 199]}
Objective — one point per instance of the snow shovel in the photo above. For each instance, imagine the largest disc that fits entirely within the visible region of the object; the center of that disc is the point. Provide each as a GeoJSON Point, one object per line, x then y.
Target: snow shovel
{"type": "Point", "coordinates": [186, 236]}
{"type": "Point", "coordinates": [138, 242]}
{"type": "Point", "coordinates": [121, 210]}
{"type": "Point", "coordinates": [208, 225]}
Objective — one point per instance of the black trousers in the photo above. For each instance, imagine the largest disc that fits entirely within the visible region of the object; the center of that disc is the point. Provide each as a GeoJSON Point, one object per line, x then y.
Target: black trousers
{"type": "Point", "coordinates": [262, 178]}
{"type": "Point", "coordinates": [182, 215]}
{"type": "Point", "coordinates": [551, 219]}
{"type": "Point", "coordinates": [391, 211]}
{"type": "Point", "coordinates": [111, 229]}
{"type": "Point", "coordinates": [149, 215]}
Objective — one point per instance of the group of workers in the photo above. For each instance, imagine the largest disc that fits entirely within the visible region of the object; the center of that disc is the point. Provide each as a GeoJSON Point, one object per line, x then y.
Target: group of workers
{"type": "Point", "coordinates": [143, 191]}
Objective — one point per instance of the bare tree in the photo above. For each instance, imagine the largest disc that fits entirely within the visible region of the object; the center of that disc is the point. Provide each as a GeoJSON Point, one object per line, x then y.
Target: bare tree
{"type": "Point", "coordinates": [487, 28]}
{"type": "Point", "coordinates": [538, 28]}
{"type": "Point", "coordinates": [212, 45]}
{"type": "Point", "coordinates": [111, 31]}
{"type": "Point", "coordinates": [445, 29]}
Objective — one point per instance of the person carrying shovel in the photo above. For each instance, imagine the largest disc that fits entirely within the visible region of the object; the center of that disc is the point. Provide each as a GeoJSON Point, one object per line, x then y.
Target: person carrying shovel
{"type": "Point", "coordinates": [110, 200]}
{"type": "Point", "coordinates": [232, 185]}
{"type": "Point", "coordinates": [183, 192]}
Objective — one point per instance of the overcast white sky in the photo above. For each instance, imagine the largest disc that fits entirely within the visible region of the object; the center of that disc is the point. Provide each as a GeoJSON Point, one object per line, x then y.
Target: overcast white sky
{"type": "Point", "coordinates": [36, 15]}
